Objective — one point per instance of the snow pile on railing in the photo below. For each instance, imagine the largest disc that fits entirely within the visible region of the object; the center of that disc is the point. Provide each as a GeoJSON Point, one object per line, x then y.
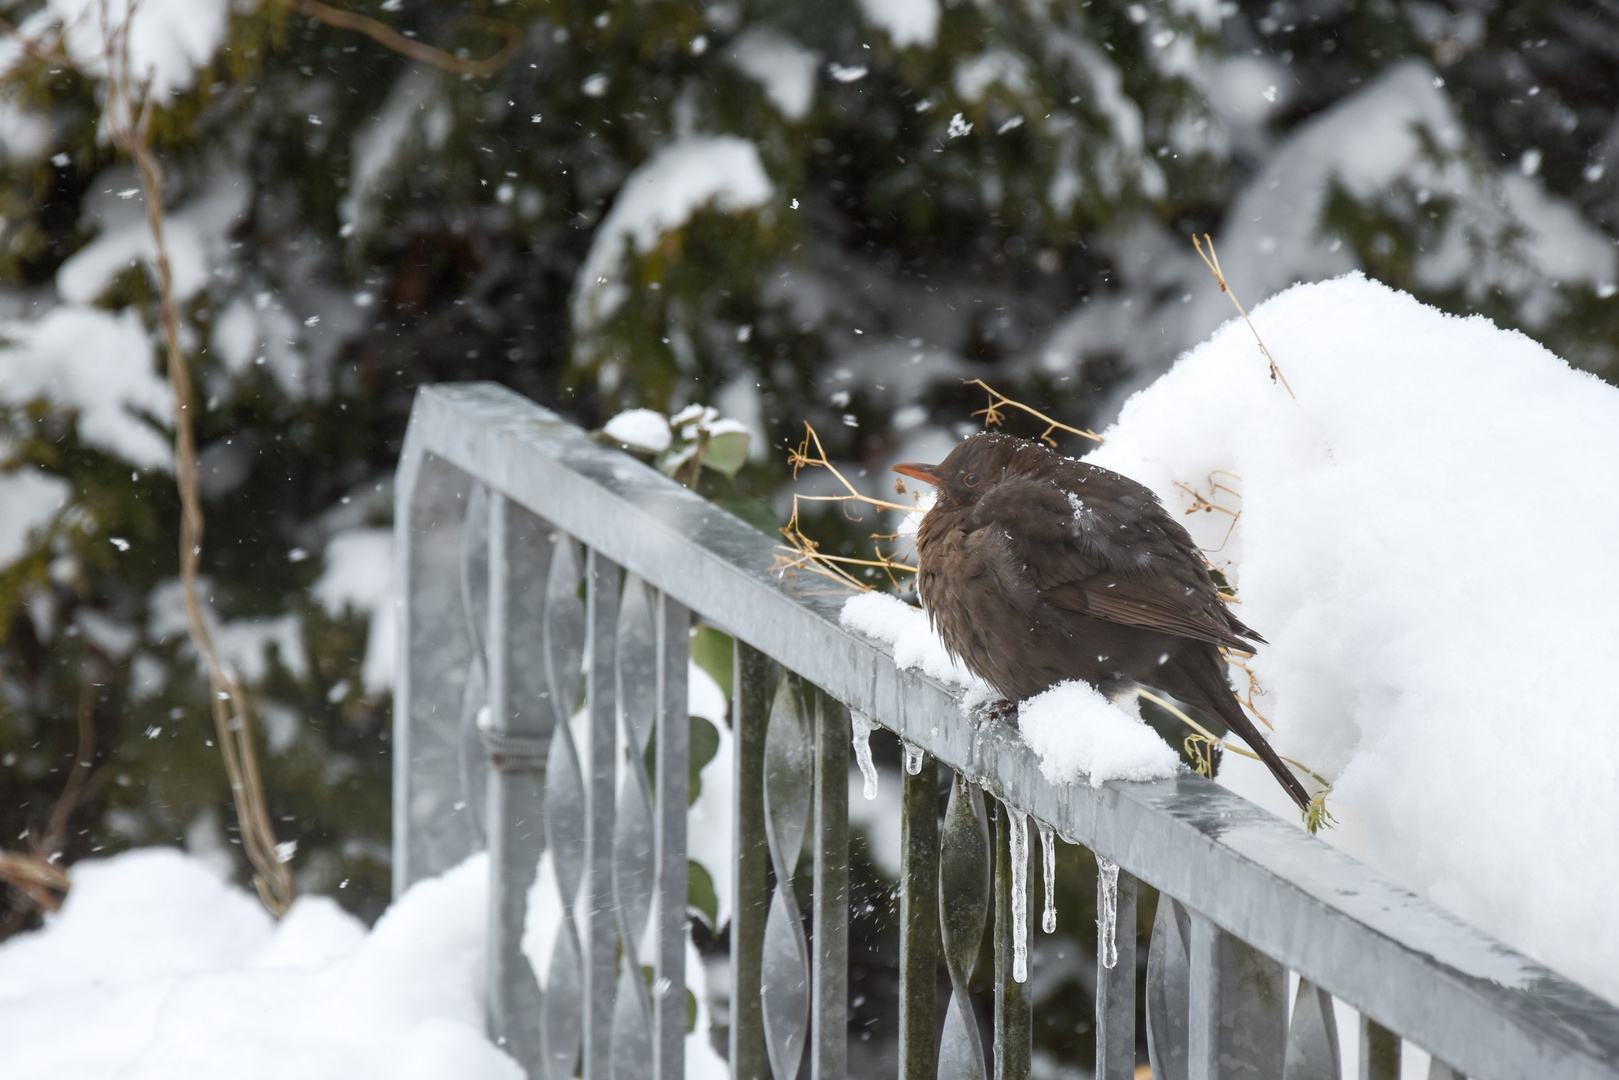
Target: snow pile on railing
{"type": "Point", "coordinates": [1426, 537]}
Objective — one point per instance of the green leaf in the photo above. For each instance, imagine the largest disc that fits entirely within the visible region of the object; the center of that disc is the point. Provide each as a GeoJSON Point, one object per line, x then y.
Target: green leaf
{"type": "Point", "coordinates": [711, 650]}
{"type": "Point", "coordinates": [754, 511]}
{"type": "Point", "coordinates": [727, 451]}
{"type": "Point", "coordinates": [701, 900]}
{"type": "Point", "coordinates": [705, 743]}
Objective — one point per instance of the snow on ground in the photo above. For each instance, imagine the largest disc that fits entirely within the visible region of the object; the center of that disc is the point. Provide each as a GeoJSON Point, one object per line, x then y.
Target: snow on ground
{"type": "Point", "coordinates": [155, 968]}
{"type": "Point", "coordinates": [659, 197]}
{"type": "Point", "coordinates": [1424, 539]}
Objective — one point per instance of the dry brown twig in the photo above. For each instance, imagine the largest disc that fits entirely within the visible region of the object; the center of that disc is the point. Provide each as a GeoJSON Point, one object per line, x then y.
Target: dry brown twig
{"type": "Point", "coordinates": [399, 43]}
{"type": "Point", "coordinates": [36, 874]}
{"type": "Point", "coordinates": [1212, 261]}
{"type": "Point", "coordinates": [993, 417]}
{"type": "Point", "coordinates": [129, 118]}
{"type": "Point", "coordinates": [805, 552]}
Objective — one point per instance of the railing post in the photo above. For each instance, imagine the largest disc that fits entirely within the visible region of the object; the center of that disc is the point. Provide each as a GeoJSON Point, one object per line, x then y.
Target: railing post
{"type": "Point", "coordinates": [751, 695]}
{"type": "Point", "coordinates": [516, 735]}
{"type": "Point", "coordinates": [1237, 1026]}
{"type": "Point", "coordinates": [598, 935]}
{"type": "Point", "coordinates": [673, 784]}
{"type": "Point", "coordinates": [1116, 985]}
{"type": "Point", "coordinates": [919, 923]}
{"type": "Point", "coordinates": [829, 1018]}
{"type": "Point", "coordinates": [431, 832]}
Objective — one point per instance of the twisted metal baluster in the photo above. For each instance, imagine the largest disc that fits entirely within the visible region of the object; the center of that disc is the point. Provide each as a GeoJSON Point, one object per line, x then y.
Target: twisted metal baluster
{"type": "Point", "coordinates": [633, 858]}
{"type": "Point", "coordinates": [784, 963]}
{"type": "Point", "coordinates": [919, 923]}
{"type": "Point", "coordinates": [1116, 985]}
{"type": "Point", "coordinates": [562, 1002]}
{"type": "Point", "coordinates": [475, 691]}
{"type": "Point", "coordinates": [1014, 1020]}
{"type": "Point", "coordinates": [1237, 1004]}
{"type": "Point", "coordinates": [1167, 975]}
{"type": "Point", "coordinates": [963, 908]}
{"type": "Point", "coordinates": [599, 937]}
{"type": "Point", "coordinates": [1312, 1036]}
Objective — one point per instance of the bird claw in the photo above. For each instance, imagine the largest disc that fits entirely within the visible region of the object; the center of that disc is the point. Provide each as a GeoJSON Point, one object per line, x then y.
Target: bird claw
{"type": "Point", "coordinates": [1003, 711]}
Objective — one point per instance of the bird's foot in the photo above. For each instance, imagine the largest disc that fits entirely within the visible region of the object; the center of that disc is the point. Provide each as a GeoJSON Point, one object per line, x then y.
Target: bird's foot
{"type": "Point", "coordinates": [1003, 711]}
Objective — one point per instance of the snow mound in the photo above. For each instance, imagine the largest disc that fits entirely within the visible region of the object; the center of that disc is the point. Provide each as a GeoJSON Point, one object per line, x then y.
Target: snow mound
{"type": "Point", "coordinates": [155, 968]}
{"type": "Point", "coordinates": [1424, 538]}
{"type": "Point", "coordinates": [916, 647]}
{"type": "Point", "coordinates": [1080, 735]}
{"type": "Point", "coordinates": [644, 429]}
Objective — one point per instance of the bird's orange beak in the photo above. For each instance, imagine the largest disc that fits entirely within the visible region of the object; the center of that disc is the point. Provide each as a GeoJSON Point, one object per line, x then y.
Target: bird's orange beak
{"type": "Point", "coordinates": [918, 471]}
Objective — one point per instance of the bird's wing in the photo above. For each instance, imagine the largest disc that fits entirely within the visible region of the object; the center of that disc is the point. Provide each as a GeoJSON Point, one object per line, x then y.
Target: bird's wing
{"type": "Point", "coordinates": [1112, 552]}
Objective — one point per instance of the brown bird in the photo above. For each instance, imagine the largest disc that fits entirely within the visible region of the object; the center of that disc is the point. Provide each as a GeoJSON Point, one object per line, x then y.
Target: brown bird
{"type": "Point", "coordinates": [1036, 568]}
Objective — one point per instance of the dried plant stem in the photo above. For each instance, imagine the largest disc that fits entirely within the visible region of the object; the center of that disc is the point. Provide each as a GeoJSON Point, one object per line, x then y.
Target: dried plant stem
{"type": "Point", "coordinates": [1212, 261]}
{"type": "Point", "coordinates": [36, 875]}
{"type": "Point", "coordinates": [232, 719]}
{"type": "Point", "coordinates": [994, 417]}
{"type": "Point", "coordinates": [806, 552]}
{"type": "Point", "coordinates": [416, 50]}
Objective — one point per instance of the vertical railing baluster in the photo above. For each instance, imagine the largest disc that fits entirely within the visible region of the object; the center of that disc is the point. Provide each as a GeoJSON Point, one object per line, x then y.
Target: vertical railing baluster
{"type": "Point", "coordinates": [1379, 1051]}
{"type": "Point", "coordinates": [470, 758]}
{"type": "Point", "coordinates": [672, 783]}
{"type": "Point", "coordinates": [634, 840]}
{"type": "Point", "coordinates": [598, 937]}
{"type": "Point", "coordinates": [964, 881]}
{"type": "Point", "coordinates": [1237, 1005]}
{"type": "Point", "coordinates": [1312, 1036]}
{"type": "Point", "coordinates": [1167, 977]}
{"type": "Point", "coordinates": [518, 730]}
{"type": "Point", "coordinates": [829, 1031]}
{"type": "Point", "coordinates": [751, 697]}
{"type": "Point", "coordinates": [789, 782]}
{"type": "Point", "coordinates": [919, 923]}
{"type": "Point", "coordinates": [1013, 1019]}
{"type": "Point", "coordinates": [1116, 985]}
{"type": "Point", "coordinates": [567, 811]}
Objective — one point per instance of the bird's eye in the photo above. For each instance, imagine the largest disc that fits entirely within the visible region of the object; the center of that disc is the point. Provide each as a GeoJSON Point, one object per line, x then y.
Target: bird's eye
{"type": "Point", "coordinates": [971, 480]}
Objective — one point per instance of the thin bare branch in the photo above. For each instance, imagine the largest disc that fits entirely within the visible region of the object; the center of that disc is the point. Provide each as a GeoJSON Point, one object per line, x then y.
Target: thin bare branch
{"type": "Point", "coordinates": [1212, 261]}
{"type": "Point", "coordinates": [416, 50]}
{"type": "Point", "coordinates": [993, 417]}
{"type": "Point", "coordinates": [129, 125]}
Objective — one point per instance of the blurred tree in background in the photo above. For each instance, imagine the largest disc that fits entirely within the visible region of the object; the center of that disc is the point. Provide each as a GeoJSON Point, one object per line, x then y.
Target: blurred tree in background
{"type": "Point", "coordinates": [832, 212]}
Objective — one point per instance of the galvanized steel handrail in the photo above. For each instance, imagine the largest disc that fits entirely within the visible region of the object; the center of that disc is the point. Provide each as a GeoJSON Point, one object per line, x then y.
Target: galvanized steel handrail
{"type": "Point", "coordinates": [1242, 875]}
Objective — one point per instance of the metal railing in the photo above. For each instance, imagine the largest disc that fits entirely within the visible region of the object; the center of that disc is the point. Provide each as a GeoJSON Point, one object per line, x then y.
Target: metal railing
{"type": "Point", "coordinates": [546, 579]}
